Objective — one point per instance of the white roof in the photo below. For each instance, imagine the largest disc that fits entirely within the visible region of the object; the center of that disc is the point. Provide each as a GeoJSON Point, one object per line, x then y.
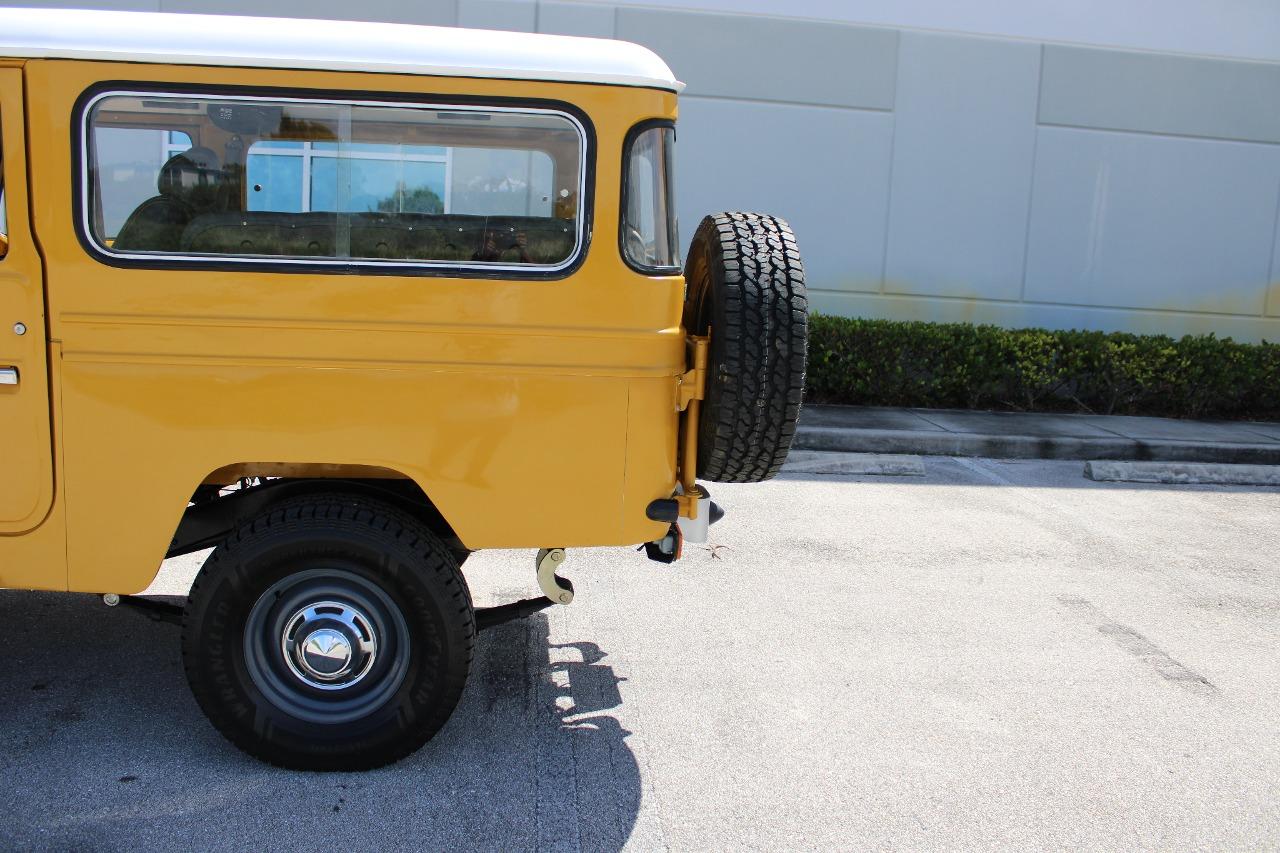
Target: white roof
{"type": "Point", "coordinates": [329, 45]}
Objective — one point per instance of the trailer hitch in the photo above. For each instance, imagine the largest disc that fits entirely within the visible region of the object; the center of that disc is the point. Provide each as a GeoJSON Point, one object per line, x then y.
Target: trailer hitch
{"type": "Point", "coordinates": [557, 590]}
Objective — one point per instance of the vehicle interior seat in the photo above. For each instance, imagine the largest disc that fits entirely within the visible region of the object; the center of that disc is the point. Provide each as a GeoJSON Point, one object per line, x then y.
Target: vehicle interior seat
{"type": "Point", "coordinates": [387, 236]}
{"type": "Point", "coordinates": [187, 186]}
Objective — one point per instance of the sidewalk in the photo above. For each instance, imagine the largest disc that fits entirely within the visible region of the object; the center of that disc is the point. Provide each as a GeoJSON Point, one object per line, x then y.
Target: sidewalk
{"type": "Point", "coordinates": [1017, 435]}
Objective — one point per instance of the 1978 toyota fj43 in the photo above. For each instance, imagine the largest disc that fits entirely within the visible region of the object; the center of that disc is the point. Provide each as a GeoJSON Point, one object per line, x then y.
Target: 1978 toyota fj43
{"type": "Point", "coordinates": [345, 302]}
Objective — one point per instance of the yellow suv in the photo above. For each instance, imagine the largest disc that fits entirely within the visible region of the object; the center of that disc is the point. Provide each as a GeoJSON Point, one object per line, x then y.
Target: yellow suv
{"type": "Point", "coordinates": [345, 302]}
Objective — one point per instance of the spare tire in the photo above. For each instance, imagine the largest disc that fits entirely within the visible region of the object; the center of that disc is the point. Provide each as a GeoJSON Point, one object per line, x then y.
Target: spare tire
{"type": "Point", "coordinates": [745, 287]}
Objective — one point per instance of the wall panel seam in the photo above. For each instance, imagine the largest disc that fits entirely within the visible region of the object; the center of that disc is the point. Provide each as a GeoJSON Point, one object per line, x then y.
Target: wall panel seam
{"type": "Point", "coordinates": [1160, 133]}
{"type": "Point", "coordinates": [1271, 263]}
{"type": "Point", "coordinates": [888, 203]}
{"type": "Point", "coordinates": [772, 102]}
{"type": "Point", "coordinates": [893, 156]}
{"type": "Point", "coordinates": [897, 65]}
{"type": "Point", "coordinates": [1031, 184]}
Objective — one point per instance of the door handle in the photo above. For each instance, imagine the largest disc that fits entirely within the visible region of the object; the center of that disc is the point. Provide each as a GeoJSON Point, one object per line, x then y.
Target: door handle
{"type": "Point", "coordinates": [8, 376]}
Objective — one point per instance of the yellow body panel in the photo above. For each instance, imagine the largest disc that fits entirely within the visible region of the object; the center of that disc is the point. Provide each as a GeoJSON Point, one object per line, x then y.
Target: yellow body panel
{"type": "Point", "coordinates": [532, 413]}
{"type": "Point", "coordinates": [26, 469]}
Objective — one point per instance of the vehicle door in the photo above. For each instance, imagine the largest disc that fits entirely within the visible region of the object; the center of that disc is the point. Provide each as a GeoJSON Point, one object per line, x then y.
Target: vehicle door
{"type": "Point", "coordinates": [26, 462]}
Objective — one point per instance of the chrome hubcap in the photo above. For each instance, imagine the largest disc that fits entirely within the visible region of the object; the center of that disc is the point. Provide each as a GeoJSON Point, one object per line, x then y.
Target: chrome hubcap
{"type": "Point", "coordinates": [325, 654]}
{"type": "Point", "coordinates": [329, 645]}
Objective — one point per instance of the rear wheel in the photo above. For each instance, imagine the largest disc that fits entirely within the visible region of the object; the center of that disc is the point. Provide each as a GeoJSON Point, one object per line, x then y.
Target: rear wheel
{"type": "Point", "coordinates": [329, 633]}
{"type": "Point", "coordinates": [746, 288]}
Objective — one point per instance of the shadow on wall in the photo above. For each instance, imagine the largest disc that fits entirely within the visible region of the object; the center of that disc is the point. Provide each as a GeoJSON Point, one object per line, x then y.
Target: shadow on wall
{"type": "Point", "coordinates": [101, 745]}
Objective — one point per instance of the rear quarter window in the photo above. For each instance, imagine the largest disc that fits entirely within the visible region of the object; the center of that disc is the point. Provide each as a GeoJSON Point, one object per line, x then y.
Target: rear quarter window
{"type": "Point", "coordinates": [196, 178]}
{"type": "Point", "coordinates": [650, 238]}
{"type": "Point", "coordinates": [4, 218]}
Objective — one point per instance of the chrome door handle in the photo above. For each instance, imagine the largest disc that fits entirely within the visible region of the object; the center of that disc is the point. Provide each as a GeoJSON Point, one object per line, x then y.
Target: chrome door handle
{"type": "Point", "coordinates": [8, 376]}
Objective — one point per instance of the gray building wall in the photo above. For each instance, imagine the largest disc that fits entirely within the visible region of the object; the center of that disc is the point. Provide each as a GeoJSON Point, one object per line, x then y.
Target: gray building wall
{"type": "Point", "coordinates": [947, 175]}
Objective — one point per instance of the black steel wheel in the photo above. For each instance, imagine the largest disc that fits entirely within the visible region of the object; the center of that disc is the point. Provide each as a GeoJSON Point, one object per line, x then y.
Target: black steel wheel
{"type": "Point", "coordinates": [745, 286]}
{"type": "Point", "coordinates": [331, 632]}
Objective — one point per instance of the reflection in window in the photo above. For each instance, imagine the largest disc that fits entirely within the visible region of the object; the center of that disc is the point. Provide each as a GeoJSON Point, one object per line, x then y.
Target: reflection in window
{"type": "Point", "coordinates": [299, 177]}
{"type": "Point", "coordinates": [334, 181]}
{"type": "Point", "coordinates": [132, 159]}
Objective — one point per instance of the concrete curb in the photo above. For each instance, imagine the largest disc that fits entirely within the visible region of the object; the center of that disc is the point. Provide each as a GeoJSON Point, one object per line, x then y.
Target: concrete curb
{"type": "Point", "coordinates": [1031, 446]}
{"type": "Point", "coordinates": [1183, 473]}
{"type": "Point", "coordinates": [879, 464]}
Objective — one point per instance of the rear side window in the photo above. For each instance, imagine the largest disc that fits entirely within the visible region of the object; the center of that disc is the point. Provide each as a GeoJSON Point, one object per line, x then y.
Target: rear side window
{"type": "Point", "coordinates": [650, 239]}
{"type": "Point", "coordinates": [4, 219]}
{"type": "Point", "coordinates": [201, 178]}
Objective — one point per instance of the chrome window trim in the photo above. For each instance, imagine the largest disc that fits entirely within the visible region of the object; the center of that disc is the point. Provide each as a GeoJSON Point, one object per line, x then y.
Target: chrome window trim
{"type": "Point", "coordinates": [471, 267]}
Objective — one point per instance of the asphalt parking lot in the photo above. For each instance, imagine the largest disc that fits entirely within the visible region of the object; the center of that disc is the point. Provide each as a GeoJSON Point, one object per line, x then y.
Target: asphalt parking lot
{"type": "Point", "coordinates": [997, 654]}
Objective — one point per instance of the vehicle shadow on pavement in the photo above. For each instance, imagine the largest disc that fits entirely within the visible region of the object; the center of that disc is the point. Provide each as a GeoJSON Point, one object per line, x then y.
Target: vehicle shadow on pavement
{"type": "Point", "coordinates": [102, 747]}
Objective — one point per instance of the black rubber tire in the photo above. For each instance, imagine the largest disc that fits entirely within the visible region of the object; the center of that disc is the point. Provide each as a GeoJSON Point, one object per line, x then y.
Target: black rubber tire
{"type": "Point", "coordinates": [745, 283]}
{"type": "Point", "coordinates": [342, 545]}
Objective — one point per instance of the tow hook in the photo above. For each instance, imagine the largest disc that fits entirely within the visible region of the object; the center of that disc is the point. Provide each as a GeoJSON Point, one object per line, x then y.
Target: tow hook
{"type": "Point", "coordinates": [556, 590]}
{"type": "Point", "coordinates": [553, 586]}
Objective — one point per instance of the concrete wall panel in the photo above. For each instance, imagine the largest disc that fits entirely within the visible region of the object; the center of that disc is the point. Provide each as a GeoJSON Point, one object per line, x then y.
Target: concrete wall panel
{"type": "Point", "coordinates": [1140, 221]}
{"type": "Point", "coordinates": [593, 20]}
{"type": "Point", "coordinates": [433, 12]}
{"type": "Point", "coordinates": [514, 15]}
{"type": "Point", "coordinates": [1243, 28]}
{"type": "Point", "coordinates": [110, 5]}
{"type": "Point", "coordinates": [732, 157]}
{"type": "Point", "coordinates": [962, 161]}
{"type": "Point", "coordinates": [770, 59]}
{"type": "Point", "coordinates": [1160, 93]}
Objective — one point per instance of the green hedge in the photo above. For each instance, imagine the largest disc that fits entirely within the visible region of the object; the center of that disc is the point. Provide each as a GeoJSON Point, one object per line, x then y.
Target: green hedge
{"type": "Point", "coordinates": [957, 365]}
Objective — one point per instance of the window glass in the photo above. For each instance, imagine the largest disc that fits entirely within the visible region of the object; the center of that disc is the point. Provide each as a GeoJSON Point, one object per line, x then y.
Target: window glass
{"type": "Point", "coordinates": [4, 220]}
{"type": "Point", "coordinates": [335, 182]}
{"type": "Point", "coordinates": [382, 178]}
{"type": "Point", "coordinates": [130, 158]}
{"type": "Point", "coordinates": [649, 233]}
{"type": "Point", "coordinates": [274, 173]}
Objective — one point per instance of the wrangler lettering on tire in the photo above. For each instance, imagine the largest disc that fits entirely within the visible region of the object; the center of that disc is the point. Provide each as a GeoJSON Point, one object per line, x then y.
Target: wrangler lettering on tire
{"type": "Point", "coordinates": [746, 288]}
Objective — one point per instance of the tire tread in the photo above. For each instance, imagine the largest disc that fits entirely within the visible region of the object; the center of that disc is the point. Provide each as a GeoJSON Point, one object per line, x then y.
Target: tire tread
{"type": "Point", "coordinates": [759, 351]}
{"type": "Point", "coordinates": [325, 512]}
